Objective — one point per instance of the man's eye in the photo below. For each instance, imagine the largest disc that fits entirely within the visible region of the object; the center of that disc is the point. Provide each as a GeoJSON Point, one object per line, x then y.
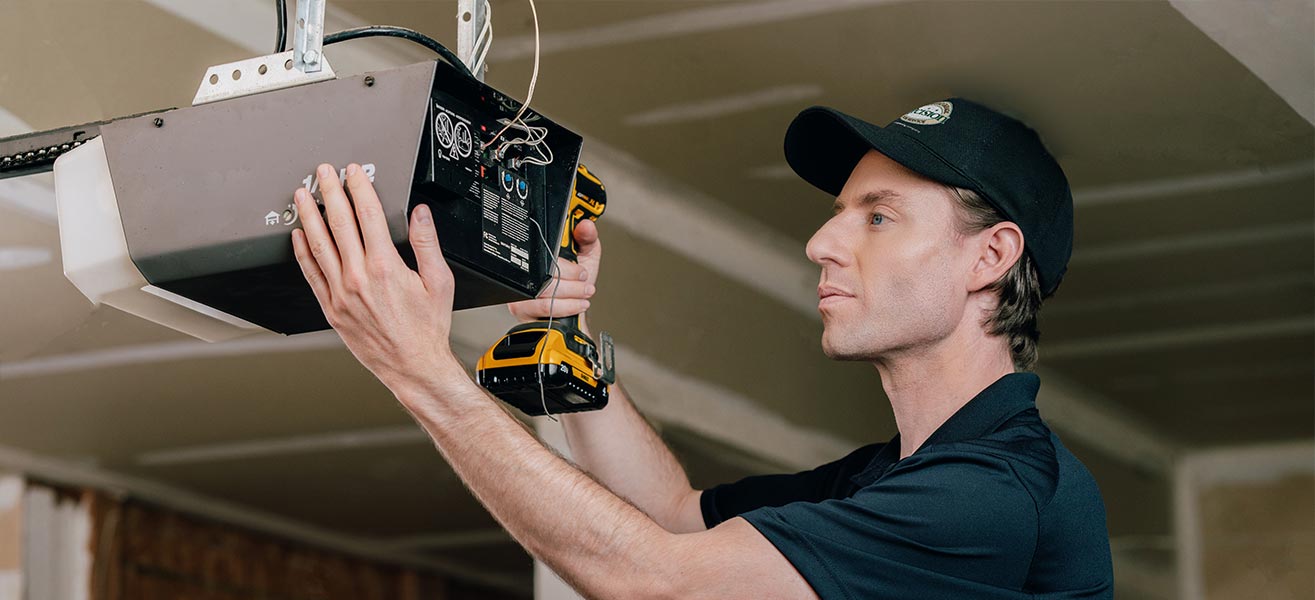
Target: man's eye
{"type": "Point", "coordinates": [878, 218]}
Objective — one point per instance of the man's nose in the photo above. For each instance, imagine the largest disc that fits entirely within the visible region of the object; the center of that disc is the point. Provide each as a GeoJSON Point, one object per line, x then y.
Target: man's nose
{"type": "Point", "coordinates": [827, 245]}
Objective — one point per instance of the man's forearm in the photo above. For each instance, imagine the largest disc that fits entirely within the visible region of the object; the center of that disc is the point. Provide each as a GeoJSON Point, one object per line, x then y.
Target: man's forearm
{"type": "Point", "coordinates": [600, 544]}
{"type": "Point", "coordinates": [618, 446]}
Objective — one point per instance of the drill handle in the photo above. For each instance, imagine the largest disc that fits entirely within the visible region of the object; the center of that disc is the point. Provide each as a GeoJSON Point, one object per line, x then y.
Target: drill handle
{"type": "Point", "coordinates": [588, 201]}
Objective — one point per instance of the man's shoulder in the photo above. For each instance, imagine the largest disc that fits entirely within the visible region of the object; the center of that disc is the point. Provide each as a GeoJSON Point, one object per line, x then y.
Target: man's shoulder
{"type": "Point", "coordinates": [1024, 446]}
{"type": "Point", "coordinates": [1037, 457]}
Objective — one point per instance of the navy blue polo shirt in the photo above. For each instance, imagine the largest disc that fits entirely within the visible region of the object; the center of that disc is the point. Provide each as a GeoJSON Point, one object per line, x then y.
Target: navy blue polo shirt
{"type": "Point", "coordinates": [991, 506]}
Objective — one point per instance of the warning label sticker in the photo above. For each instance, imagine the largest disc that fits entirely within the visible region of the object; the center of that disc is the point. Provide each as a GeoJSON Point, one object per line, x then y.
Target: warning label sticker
{"type": "Point", "coordinates": [506, 226]}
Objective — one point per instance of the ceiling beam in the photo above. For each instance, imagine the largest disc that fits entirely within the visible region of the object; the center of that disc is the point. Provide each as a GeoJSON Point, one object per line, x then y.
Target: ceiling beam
{"type": "Point", "coordinates": [1192, 242]}
{"type": "Point", "coordinates": [296, 444]}
{"type": "Point", "coordinates": [1191, 336]}
{"type": "Point", "coordinates": [719, 17]}
{"type": "Point", "coordinates": [706, 109]}
{"type": "Point", "coordinates": [1140, 191]}
{"type": "Point", "coordinates": [1272, 38]}
{"type": "Point", "coordinates": [1214, 374]}
{"type": "Point", "coordinates": [1195, 293]}
{"type": "Point", "coordinates": [191, 349]}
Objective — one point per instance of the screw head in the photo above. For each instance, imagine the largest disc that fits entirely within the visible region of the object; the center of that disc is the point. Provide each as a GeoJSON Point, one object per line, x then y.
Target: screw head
{"type": "Point", "coordinates": [369, 80]}
{"type": "Point", "coordinates": [159, 122]}
{"type": "Point", "coordinates": [311, 57]}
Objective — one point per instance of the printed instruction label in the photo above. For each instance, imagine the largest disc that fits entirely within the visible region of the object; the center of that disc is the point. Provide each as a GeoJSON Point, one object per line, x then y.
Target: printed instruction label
{"type": "Point", "coordinates": [506, 227]}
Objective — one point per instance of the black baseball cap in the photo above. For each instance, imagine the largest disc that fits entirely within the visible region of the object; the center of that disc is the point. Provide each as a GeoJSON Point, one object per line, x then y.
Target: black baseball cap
{"type": "Point", "coordinates": [955, 142]}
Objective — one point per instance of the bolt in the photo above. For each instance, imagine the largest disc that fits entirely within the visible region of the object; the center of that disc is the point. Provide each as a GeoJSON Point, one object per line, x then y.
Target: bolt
{"type": "Point", "coordinates": [311, 57]}
{"type": "Point", "coordinates": [159, 122]}
{"type": "Point", "coordinates": [369, 80]}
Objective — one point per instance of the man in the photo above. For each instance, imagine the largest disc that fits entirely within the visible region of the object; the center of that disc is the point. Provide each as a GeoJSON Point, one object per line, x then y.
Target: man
{"type": "Point", "coordinates": [950, 225]}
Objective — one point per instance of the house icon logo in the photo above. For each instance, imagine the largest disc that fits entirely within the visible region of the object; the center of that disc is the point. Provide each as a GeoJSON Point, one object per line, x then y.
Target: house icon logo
{"type": "Point", "coordinates": [272, 218]}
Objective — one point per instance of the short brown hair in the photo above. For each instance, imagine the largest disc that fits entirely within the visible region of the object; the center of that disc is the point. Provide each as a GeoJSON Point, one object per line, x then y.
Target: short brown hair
{"type": "Point", "coordinates": [1018, 290]}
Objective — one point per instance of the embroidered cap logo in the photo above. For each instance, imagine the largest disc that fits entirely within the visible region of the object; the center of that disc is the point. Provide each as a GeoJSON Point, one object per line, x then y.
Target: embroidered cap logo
{"type": "Point", "coordinates": [930, 114]}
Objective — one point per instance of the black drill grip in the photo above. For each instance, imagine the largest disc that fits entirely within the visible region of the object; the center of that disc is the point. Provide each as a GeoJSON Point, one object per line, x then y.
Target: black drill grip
{"type": "Point", "coordinates": [588, 201]}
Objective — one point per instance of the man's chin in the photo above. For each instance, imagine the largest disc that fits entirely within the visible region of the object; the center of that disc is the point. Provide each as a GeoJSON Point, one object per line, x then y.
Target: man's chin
{"type": "Point", "coordinates": [837, 351]}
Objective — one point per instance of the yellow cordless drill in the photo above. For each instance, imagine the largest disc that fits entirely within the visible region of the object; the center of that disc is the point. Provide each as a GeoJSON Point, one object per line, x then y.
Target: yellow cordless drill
{"type": "Point", "coordinates": [550, 366]}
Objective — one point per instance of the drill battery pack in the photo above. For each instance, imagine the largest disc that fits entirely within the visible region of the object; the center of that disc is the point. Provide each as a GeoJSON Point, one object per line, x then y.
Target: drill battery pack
{"type": "Point", "coordinates": [537, 368]}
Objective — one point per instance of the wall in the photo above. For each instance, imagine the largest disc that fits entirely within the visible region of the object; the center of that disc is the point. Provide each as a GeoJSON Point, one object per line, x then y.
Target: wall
{"type": "Point", "coordinates": [145, 552]}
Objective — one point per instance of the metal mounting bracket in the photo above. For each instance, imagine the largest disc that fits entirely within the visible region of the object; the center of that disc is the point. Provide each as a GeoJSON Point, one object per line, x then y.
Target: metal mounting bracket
{"type": "Point", "coordinates": [471, 15]}
{"type": "Point", "coordinates": [255, 75]}
{"type": "Point", "coordinates": [308, 36]}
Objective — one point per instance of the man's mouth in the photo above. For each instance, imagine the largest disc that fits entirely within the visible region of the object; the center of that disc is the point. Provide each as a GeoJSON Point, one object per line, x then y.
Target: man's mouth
{"type": "Point", "coordinates": [829, 295]}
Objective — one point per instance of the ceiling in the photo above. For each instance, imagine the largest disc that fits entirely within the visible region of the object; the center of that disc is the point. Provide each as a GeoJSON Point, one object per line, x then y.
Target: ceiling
{"type": "Point", "coordinates": [1189, 305]}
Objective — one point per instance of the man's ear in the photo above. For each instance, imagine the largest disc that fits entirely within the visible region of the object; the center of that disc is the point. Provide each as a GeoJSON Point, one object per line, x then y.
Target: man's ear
{"type": "Point", "coordinates": [999, 247]}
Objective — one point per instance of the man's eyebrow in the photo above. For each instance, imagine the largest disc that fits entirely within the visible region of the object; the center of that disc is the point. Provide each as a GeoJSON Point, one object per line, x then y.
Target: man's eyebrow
{"type": "Point", "coordinates": [868, 199]}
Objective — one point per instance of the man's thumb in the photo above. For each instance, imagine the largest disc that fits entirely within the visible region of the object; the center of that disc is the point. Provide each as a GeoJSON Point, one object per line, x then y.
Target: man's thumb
{"type": "Point", "coordinates": [586, 235]}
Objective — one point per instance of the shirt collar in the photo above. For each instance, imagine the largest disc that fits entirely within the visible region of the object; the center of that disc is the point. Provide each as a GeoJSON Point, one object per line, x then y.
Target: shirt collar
{"type": "Point", "coordinates": [980, 416]}
{"type": "Point", "coordinates": [989, 409]}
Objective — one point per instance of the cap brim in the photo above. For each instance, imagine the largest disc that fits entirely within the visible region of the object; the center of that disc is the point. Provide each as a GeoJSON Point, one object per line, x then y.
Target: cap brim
{"type": "Point", "coordinates": [823, 145]}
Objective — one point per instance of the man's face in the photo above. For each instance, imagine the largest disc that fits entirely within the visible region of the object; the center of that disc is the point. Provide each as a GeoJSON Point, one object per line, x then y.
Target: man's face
{"type": "Point", "coordinates": [894, 272]}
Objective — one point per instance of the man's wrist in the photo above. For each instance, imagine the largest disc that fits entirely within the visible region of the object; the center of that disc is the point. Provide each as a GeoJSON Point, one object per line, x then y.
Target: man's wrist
{"type": "Point", "coordinates": [438, 379]}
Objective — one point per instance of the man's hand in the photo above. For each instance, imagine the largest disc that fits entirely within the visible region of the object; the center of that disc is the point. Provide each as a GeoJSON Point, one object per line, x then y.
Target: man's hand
{"type": "Point", "coordinates": [573, 284]}
{"type": "Point", "coordinates": [395, 321]}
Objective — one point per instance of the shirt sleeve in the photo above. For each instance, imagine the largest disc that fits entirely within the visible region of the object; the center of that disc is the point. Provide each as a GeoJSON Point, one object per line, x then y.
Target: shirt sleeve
{"type": "Point", "coordinates": [732, 499]}
{"type": "Point", "coordinates": [940, 525]}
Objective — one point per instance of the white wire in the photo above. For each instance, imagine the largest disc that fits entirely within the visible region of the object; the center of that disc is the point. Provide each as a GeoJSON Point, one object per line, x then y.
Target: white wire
{"type": "Point", "coordinates": [534, 78]}
{"type": "Point", "coordinates": [535, 137]}
{"type": "Point", "coordinates": [555, 272]}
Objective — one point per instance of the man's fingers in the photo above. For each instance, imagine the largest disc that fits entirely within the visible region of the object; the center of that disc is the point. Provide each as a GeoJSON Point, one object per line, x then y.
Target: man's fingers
{"type": "Point", "coordinates": [567, 270]}
{"type": "Point", "coordinates": [318, 241]}
{"type": "Point", "coordinates": [567, 288]}
{"type": "Point", "coordinates": [342, 220]}
{"type": "Point", "coordinates": [543, 308]}
{"type": "Point", "coordinates": [311, 270]}
{"type": "Point", "coordinates": [369, 213]}
{"type": "Point", "coordinates": [559, 298]}
{"type": "Point", "coordinates": [429, 257]}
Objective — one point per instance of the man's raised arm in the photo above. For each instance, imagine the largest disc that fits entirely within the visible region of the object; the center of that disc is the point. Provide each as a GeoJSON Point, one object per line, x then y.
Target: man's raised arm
{"type": "Point", "coordinates": [618, 447]}
{"type": "Point", "coordinates": [615, 445]}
